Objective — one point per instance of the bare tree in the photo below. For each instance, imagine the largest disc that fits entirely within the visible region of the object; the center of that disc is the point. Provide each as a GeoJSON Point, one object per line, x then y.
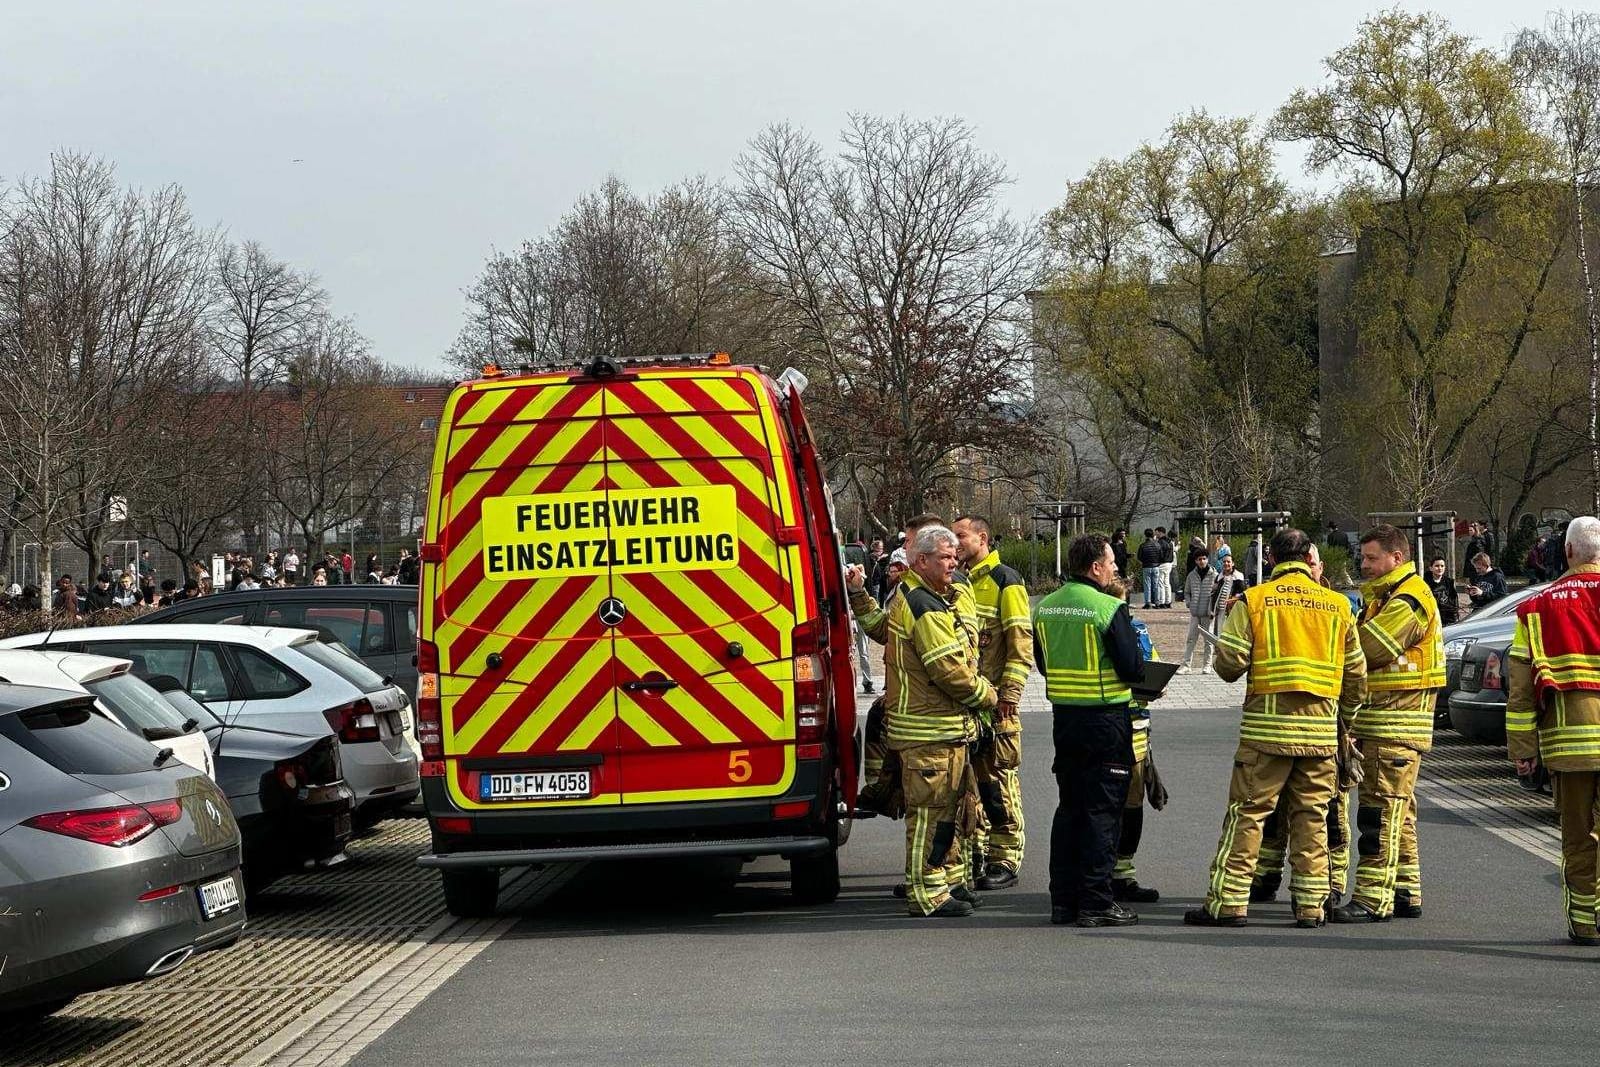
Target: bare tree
{"type": "Point", "coordinates": [103, 288]}
{"type": "Point", "coordinates": [336, 438]}
{"type": "Point", "coordinates": [261, 311]}
{"type": "Point", "coordinates": [194, 487]}
{"type": "Point", "coordinates": [1562, 62]}
{"type": "Point", "coordinates": [618, 275]}
{"type": "Point", "coordinates": [897, 282]}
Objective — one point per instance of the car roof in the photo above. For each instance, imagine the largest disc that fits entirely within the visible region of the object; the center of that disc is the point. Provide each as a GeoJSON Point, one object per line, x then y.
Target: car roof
{"type": "Point", "coordinates": [15, 698]}
{"type": "Point", "coordinates": [53, 669]}
{"type": "Point", "coordinates": [294, 592]}
{"type": "Point", "coordinates": [256, 636]}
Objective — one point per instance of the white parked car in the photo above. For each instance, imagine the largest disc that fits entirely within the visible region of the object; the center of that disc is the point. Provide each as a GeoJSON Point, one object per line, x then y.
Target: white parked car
{"type": "Point", "coordinates": [275, 678]}
{"type": "Point", "coordinates": [119, 695]}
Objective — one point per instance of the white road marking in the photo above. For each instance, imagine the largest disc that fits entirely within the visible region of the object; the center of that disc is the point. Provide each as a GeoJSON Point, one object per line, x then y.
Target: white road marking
{"type": "Point", "coordinates": [342, 1025]}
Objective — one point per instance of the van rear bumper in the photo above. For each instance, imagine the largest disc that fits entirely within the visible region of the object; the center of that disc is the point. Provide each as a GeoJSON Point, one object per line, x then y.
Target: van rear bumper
{"type": "Point", "coordinates": [740, 827]}
{"type": "Point", "coordinates": [785, 847]}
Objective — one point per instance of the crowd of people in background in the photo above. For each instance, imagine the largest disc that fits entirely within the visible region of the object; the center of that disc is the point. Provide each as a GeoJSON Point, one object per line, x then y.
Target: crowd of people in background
{"type": "Point", "coordinates": [138, 587]}
{"type": "Point", "coordinates": [1211, 581]}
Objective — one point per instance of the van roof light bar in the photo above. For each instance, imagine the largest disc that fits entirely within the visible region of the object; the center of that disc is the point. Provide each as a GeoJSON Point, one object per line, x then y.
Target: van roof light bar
{"type": "Point", "coordinates": [604, 366]}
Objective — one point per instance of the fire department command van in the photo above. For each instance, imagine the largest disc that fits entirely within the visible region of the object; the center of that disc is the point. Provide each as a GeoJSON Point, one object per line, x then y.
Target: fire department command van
{"type": "Point", "coordinates": [634, 630]}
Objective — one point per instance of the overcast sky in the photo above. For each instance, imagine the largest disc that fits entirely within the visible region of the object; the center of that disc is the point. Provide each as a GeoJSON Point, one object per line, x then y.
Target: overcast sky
{"type": "Point", "coordinates": [389, 146]}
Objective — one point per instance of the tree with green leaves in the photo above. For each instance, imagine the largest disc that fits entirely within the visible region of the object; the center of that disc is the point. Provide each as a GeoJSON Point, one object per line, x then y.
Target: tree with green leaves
{"type": "Point", "coordinates": [1456, 238]}
{"type": "Point", "coordinates": [1183, 281]}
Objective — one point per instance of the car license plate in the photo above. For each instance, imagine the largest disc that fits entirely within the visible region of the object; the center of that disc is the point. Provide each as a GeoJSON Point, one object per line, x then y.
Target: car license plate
{"type": "Point", "coordinates": [534, 785]}
{"type": "Point", "coordinates": [218, 897]}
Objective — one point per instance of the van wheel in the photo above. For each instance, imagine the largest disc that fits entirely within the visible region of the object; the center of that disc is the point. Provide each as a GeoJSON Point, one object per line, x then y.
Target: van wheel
{"type": "Point", "coordinates": [815, 879]}
{"type": "Point", "coordinates": [470, 893]}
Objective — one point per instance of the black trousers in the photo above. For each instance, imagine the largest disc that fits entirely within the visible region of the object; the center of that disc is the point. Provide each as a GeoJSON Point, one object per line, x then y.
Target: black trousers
{"type": "Point", "coordinates": [1094, 760]}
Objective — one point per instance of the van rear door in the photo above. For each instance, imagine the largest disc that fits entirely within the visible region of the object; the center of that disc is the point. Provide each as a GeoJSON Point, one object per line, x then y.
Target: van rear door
{"type": "Point", "coordinates": [526, 679]}
{"type": "Point", "coordinates": [707, 578]}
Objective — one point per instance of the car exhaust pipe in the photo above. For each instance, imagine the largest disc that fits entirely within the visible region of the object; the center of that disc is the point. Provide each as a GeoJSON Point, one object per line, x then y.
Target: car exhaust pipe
{"type": "Point", "coordinates": [170, 962]}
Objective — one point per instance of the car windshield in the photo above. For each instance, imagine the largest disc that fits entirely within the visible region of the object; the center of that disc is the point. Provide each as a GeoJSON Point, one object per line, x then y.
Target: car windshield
{"type": "Point", "coordinates": [341, 661]}
{"type": "Point", "coordinates": [137, 706]}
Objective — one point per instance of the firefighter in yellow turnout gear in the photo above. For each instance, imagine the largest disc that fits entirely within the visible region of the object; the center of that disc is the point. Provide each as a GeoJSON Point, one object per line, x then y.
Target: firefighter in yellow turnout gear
{"type": "Point", "coordinates": [1005, 657]}
{"type": "Point", "coordinates": [1297, 643]}
{"type": "Point", "coordinates": [1275, 834]}
{"type": "Point", "coordinates": [880, 768]}
{"type": "Point", "coordinates": [933, 697]}
{"type": "Point", "coordinates": [1400, 639]}
{"type": "Point", "coordinates": [1553, 713]}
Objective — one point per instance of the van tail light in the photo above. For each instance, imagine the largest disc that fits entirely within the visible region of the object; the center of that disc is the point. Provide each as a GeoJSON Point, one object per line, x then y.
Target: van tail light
{"type": "Point", "coordinates": [354, 722]}
{"type": "Point", "coordinates": [430, 721]}
{"type": "Point", "coordinates": [810, 696]}
{"type": "Point", "coordinates": [115, 827]}
{"type": "Point", "coordinates": [1492, 676]}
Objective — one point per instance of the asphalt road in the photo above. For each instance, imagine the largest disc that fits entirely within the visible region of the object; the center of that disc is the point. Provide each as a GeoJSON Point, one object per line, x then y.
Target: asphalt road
{"type": "Point", "coordinates": [703, 965]}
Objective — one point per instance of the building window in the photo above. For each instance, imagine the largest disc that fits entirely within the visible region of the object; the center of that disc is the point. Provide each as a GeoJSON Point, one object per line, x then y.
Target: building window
{"type": "Point", "coordinates": [430, 422]}
{"type": "Point", "coordinates": [411, 396]}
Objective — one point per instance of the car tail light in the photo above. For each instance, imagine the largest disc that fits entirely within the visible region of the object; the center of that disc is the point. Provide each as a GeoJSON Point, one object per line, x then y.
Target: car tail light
{"type": "Point", "coordinates": [1492, 678]}
{"type": "Point", "coordinates": [811, 712]}
{"type": "Point", "coordinates": [430, 721]}
{"type": "Point", "coordinates": [354, 722]}
{"type": "Point", "coordinates": [115, 827]}
{"type": "Point", "coordinates": [164, 891]}
{"type": "Point", "coordinates": [453, 824]}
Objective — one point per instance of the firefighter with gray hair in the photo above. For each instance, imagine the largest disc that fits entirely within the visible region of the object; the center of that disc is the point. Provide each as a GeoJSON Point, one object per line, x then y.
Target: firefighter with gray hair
{"type": "Point", "coordinates": [933, 697]}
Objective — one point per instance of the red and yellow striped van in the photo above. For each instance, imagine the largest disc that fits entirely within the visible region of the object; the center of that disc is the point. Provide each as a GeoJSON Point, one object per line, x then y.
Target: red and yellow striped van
{"type": "Point", "coordinates": [634, 632]}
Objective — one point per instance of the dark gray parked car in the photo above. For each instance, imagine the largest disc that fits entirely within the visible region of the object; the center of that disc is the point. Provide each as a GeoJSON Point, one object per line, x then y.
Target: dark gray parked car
{"type": "Point", "coordinates": [117, 861]}
{"type": "Point", "coordinates": [1495, 624]}
{"type": "Point", "coordinates": [376, 622]}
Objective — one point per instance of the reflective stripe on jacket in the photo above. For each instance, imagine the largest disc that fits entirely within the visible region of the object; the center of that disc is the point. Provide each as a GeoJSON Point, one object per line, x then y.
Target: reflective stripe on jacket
{"type": "Point", "coordinates": [1400, 637]}
{"type": "Point", "coordinates": [1296, 638]}
{"type": "Point", "coordinates": [1005, 629]}
{"type": "Point", "coordinates": [932, 688]}
{"type": "Point", "coordinates": [1554, 674]}
{"type": "Point", "coordinates": [1069, 627]}
{"type": "Point", "coordinates": [1298, 631]}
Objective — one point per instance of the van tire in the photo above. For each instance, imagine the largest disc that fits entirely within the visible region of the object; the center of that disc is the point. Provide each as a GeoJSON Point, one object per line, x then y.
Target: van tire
{"type": "Point", "coordinates": [815, 879]}
{"type": "Point", "coordinates": [471, 892]}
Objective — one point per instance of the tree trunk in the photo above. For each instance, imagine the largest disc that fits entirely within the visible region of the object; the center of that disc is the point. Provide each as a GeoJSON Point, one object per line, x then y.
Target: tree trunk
{"type": "Point", "coordinates": [1592, 320]}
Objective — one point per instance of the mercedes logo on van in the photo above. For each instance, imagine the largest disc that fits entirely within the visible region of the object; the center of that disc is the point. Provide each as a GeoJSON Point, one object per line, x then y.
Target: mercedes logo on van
{"type": "Point", "coordinates": [612, 611]}
{"type": "Point", "coordinates": [5, 783]}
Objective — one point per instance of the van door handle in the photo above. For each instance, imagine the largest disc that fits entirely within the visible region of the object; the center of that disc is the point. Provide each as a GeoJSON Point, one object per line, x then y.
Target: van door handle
{"type": "Point", "coordinates": [657, 683]}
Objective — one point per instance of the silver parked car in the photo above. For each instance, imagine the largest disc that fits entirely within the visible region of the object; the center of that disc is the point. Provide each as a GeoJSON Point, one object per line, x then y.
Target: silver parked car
{"type": "Point", "coordinates": [275, 678]}
{"type": "Point", "coordinates": [116, 862]}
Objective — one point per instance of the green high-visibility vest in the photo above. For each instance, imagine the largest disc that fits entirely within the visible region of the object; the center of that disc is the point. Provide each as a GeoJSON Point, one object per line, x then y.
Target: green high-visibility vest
{"type": "Point", "coordinates": [1070, 626]}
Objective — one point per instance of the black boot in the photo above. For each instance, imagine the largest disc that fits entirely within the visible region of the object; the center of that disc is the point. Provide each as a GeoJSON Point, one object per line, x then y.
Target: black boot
{"type": "Point", "coordinates": [967, 896]}
{"type": "Point", "coordinates": [1202, 917]}
{"type": "Point", "coordinates": [1130, 891]}
{"type": "Point", "coordinates": [997, 876]}
{"type": "Point", "coordinates": [1116, 915]}
{"type": "Point", "coordinates": [951, 909]}
{"type": "Point", "coordinates": [1354, 912]}
{"type": "Point", "coordinates": [1062, 916]}
{"type": "Point", "coordinates": [1403, 908]}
